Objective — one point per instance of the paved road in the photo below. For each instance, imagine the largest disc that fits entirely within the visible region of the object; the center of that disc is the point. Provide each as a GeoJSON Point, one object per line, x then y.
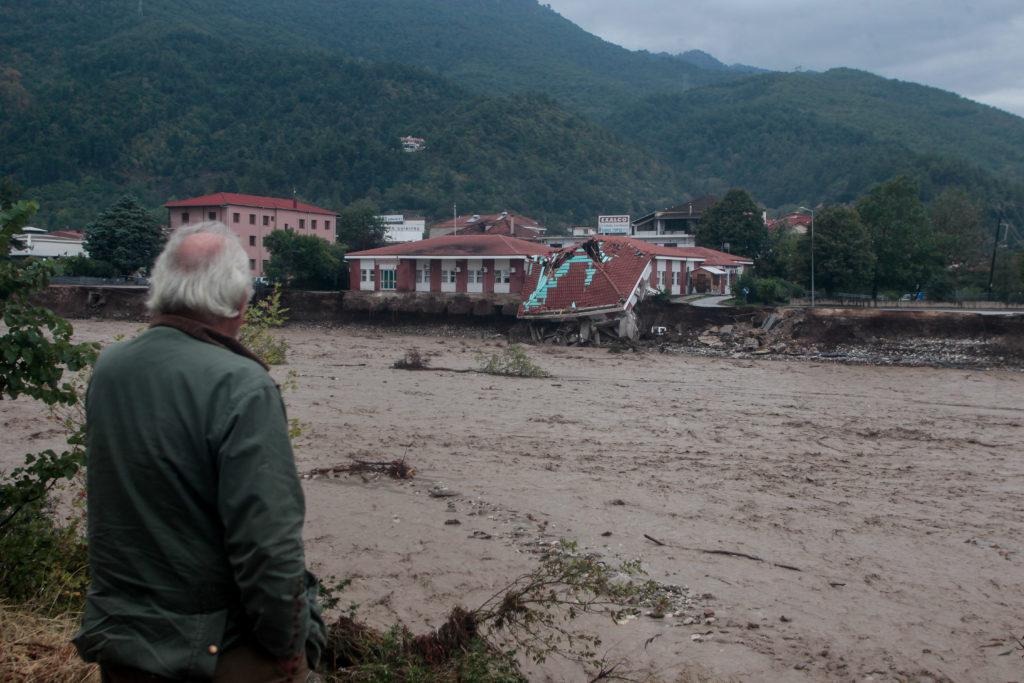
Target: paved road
{"type": "Point", "coordinates": [710, 301]}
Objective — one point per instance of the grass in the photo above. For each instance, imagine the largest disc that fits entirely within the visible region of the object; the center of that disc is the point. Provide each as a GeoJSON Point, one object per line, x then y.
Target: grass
{"type": "Point", "coordinates": [36, 647]}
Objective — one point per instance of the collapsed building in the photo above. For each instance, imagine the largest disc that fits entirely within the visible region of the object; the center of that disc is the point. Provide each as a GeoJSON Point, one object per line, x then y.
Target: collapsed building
{"type": "Point", "coordinates": [592, 288]}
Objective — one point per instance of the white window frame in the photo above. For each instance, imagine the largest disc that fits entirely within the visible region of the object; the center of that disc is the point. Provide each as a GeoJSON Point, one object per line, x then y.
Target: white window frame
{"type": "Point", "coordinates": [448, 275]}
{"type": "Point", "coordinates": [423, 276]}
{"type": "Point", "coordinates": [475, 276]}
{"type": "Point", "coordinates": [366, 275]}
{"type": "Point", "coordinates": [502, 276]}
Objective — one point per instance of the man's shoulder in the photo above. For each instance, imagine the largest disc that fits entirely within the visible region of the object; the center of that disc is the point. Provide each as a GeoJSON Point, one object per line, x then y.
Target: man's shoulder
{"type": "Point", "coordinates": [170, 347]}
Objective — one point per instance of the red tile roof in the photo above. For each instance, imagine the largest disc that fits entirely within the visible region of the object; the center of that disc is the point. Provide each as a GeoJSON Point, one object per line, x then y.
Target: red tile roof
{"type": "Point", "coordinates": [716, 258]}
{"type": "Point", "coordinates": [691, 209]}
{"type": "Point", "coordinates": [457, 246]}
{"type": "Point", "coordinates": [230, 199]}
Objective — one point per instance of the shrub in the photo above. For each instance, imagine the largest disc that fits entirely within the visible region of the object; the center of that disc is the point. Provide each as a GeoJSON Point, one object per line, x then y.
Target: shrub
{"type": "Point", "coordinates": [260, 317]}
{"type": "Point", "coordinates": [513, 361]}
{"type": "Point", "coordinates": [83, 266]}
{"type": "Point", "coordinates": [767, 291]}
{"type": "Point", "coordinates": [412, 360]}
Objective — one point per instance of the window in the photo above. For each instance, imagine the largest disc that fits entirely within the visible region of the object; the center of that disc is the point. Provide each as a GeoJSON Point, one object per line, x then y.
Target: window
{"type": "Point", "coordinates": [366, 275]}
{"type": "Point", "coordinates": [184, 217]}
{"type": "Point", "coordinates": [476, 276]}
{"type": "Point", "coordinates": [266, 264]}
{"type": "Point", "coordinates": [423, 273]}
{"type": "Point", "coordinates": [312, 224]}
{"type": "Point", "coordinates": [252, 240]}
{"type": "Point", "coordinates": [501, 276]}
{"type": "Point", "coordinates": [266, 220]}
{"type": "Point", "coordinates": [448, 275]}
{"type": "Point", "coordinates": [327, 225]}
{"type": "Point", "coordinates": [212, 215]}
{"type": "Point", "coordinates": [236, 217]}
{"type": "Point", "coordinates": [252, 264]}
{"type": "Point", "coordinates": [675, 278]}
{"type": "Point", "coordinates": [302, 224]}
{"type": "Point", "coordinates": [387, 278]}
{"type": "Point", "coordinates": [252, 219]}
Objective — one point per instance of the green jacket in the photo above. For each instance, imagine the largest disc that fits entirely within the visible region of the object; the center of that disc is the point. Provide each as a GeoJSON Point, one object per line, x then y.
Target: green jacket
{"type": "Point", "coordinates": [195, 511]}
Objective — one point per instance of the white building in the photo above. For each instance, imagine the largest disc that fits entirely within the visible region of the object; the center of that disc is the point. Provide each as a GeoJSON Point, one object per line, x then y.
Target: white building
{"type": "Point", "coordinates": [41, 244]}
{"type": "Point", "coordinates": [401, 228]}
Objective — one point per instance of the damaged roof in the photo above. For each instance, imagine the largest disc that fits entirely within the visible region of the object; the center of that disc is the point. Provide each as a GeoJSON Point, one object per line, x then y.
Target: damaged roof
{"type": "Point", "coordinates": [598, 275]}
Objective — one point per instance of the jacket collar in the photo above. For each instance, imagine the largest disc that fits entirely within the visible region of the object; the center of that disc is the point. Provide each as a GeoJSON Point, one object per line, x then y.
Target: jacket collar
{"type": "Point", "coordinates": [205, 333]}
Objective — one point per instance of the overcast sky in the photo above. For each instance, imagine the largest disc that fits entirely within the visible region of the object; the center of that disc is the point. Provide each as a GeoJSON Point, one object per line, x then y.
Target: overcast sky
{"type": "Point", "coordinates": [974, 48]}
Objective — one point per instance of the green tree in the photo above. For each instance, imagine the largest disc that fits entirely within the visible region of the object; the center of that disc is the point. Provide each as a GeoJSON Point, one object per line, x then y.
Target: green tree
{"type": "Point", "coordinates": [961, 238]}
{"type": "Point", "coordinates": [35, 350]}
{"type": "Point", "coordinates": [735, 220]}
{"type": "Point", "coordinates": [304, 261]}
{"type": "Point", "coordinates": [904, 247]}
{"type": "Point", "coordinates": [843, 260]}
{"type": "Point", "coordinates": [781, 253]}
{"type": "Point", "coordinates": [359, 226]}
{"type": "Point", "coordinates": [126, 236]}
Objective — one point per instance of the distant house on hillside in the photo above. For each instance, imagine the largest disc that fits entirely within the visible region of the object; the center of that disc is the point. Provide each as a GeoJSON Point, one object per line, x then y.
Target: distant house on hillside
{"type": "Point", "coordinates": [411, 144]}
{"type": "Point", "coordinates": [503, 223]}
{"type": "Point", "coordinates": [674, 226]}
{"type": "Point", "coordinates": [475, 264]}
{"type": "Point", "coordinates": [797, 222]}
{"type": "Point", "coordinates": [252, 217]}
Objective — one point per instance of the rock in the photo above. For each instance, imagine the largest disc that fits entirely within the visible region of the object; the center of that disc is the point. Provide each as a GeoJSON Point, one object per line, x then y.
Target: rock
{"type": "Point", "coordinates": [441, 492]}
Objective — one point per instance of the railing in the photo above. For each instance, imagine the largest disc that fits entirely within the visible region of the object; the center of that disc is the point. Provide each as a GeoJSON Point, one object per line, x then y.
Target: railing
{"type": "Point", "coordinates": [99, 281]}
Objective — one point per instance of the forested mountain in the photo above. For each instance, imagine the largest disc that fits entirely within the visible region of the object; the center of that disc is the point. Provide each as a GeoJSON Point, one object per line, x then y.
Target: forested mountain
{"type": "Point", "coordinates": [172, 112]}
{"type": "Point", "coordinates": [174, 98]}
{"type": "Point", "coordinates": [809, 138]}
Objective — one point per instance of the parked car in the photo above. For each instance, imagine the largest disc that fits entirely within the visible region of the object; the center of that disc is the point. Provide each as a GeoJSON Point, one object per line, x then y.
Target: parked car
{"type": "Point", "coordinates": [260, 282]}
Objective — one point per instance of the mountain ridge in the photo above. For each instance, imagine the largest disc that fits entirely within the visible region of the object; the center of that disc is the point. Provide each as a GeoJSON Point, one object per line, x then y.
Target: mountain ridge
{"type": "Point", "coordinates": [525, 111]}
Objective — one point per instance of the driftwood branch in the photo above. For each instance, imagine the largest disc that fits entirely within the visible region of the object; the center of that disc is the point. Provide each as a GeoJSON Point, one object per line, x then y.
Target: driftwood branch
{"type": "Point", "coordinates": [396, 469]}
{"type": "Point", "coordinates": [729, 553]}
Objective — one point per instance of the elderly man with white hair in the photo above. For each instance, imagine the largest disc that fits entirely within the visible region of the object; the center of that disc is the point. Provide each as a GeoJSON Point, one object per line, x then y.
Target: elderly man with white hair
{"type": "Point", "coordinates": [195, 507]}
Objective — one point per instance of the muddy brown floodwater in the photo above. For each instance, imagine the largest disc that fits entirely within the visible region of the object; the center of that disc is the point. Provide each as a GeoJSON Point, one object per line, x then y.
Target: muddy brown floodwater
{"type": "Point", "coordinates": [863, 522]}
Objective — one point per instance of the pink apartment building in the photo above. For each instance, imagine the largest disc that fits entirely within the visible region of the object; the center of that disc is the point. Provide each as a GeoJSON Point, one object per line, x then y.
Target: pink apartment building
{"type": "Point", "coordinates": [253, 217]}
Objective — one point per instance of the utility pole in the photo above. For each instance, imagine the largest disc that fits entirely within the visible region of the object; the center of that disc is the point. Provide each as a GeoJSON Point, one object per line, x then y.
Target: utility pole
{"type": "Point", "coordinates": [995, 247]}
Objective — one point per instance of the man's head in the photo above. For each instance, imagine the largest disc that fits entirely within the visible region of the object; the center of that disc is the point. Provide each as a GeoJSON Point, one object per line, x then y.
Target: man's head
{"type": "Point", "coordinates": [203, 272]}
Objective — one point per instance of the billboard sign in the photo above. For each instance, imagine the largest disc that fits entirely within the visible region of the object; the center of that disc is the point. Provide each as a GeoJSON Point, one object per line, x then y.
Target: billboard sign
{"type": "Point", "coordinates": [613, 225]}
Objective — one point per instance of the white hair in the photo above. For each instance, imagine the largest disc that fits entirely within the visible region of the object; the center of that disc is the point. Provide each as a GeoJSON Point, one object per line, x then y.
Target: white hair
{"type": "Point", "coordinates": [215, 284]}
